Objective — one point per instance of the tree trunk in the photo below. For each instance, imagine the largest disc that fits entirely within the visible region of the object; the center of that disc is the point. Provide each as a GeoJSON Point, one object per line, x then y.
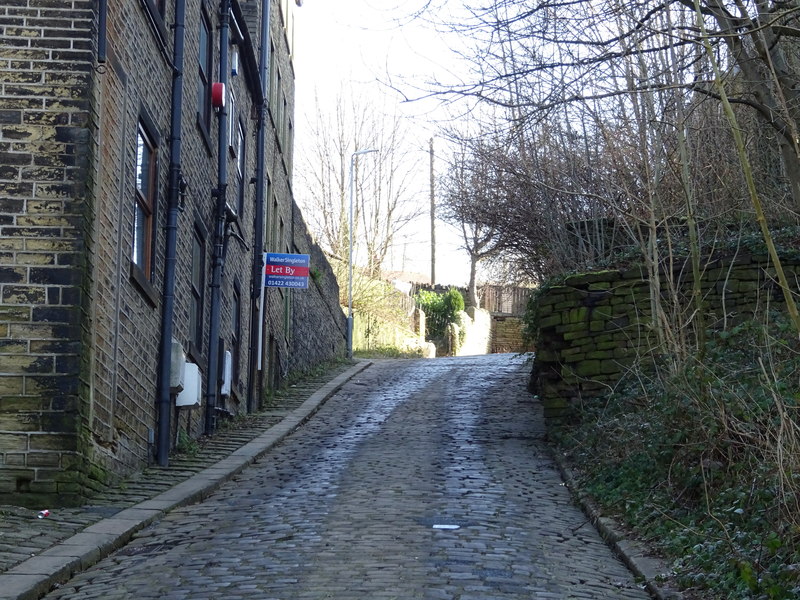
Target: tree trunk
{"type": "Point", "coordinates": [791, 167]}
{"type": "Point", "coordinates": [472, 288]}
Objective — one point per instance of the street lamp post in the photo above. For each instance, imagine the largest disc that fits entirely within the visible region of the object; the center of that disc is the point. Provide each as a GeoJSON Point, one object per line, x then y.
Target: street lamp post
{"type": "Point", "coordinates": [433, 220]}
{"type": "Point", "coordinates": [350, 260]}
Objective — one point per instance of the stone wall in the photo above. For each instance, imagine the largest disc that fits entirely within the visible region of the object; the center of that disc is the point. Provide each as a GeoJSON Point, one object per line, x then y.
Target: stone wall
{"type": "Point", "coordinates": [122, 320]}
{"type": "Point", "coordinates": [507, 335]}
{"type": "Point", "coordinates": [45, 148]}
{"type": "Point", "coordinates": [594, 327]}
{"type": "Point", "coordinates": [319, 331]}
{"type": "Point", "coordinates": [80, 309]}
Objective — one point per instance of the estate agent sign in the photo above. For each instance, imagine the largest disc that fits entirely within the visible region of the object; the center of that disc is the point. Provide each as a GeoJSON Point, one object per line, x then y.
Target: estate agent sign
{"type": "Point", "coordinates": [286, 270]}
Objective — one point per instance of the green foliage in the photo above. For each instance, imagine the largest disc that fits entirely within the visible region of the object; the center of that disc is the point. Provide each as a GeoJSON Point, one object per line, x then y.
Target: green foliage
{"type": "Point", "coordinates": [530, 320]}
{"type": "Point", "coordinates": [706, 465]}
{"type": "Point", "coordinates": [372, 298]}
{"type": "Point", "coordinates": [186, 444]}
{"type": "Point", "coordinates": [440, 311]}
{"type": "Point", "coordinates": [453, 301]}
{"type": "Point", "coordinates": [387, 352]}
{"type": "Point", "coordinates": [382, 313]}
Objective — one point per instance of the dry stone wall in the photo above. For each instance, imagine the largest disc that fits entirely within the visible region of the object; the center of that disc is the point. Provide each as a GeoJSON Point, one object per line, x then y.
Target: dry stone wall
{"type": "Point", "coordinates": [593, 328]}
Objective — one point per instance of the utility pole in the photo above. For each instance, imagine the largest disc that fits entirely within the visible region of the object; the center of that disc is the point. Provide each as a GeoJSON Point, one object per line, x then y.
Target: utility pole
{"type": "Point", "coordinates": [433, 221]}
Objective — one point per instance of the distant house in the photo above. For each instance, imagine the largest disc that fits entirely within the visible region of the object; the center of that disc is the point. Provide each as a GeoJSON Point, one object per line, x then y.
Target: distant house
{"type": "Point", "coordinates": [145, 165]}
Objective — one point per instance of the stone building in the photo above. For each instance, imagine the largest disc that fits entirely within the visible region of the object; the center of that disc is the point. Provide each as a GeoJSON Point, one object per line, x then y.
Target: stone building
{"type": "Point", "coordinates": [145, 166]}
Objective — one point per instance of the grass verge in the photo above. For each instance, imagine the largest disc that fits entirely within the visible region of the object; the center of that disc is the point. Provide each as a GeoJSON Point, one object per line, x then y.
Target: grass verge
{"type": "Point", "coordinates": [704, 466]}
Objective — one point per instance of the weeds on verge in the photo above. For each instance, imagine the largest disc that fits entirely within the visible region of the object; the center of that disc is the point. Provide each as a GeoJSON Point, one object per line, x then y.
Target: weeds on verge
{"type": "Point", "coordinates": [387, 352]}
{"type": "Point", "coordinates": [705, 466]}
{"type": "Point", "coordinates": [187, 445]}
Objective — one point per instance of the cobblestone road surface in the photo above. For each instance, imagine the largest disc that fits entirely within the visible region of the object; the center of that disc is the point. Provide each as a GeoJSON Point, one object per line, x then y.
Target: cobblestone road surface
{"type": "Point", "coordinates": [420, 479]}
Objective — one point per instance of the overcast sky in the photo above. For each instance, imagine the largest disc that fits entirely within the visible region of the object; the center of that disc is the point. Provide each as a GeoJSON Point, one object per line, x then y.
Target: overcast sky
{"type": "Point", "coordinates": [361, 45]}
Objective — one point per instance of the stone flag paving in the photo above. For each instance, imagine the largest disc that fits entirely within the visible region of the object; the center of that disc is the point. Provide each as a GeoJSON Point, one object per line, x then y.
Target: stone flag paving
{"type": "Point", "coordinates": [423, 479]}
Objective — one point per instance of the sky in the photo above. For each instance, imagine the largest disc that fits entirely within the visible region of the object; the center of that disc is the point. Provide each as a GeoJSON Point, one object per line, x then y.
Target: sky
{"type": "Point", "coordinates": [359, 45]}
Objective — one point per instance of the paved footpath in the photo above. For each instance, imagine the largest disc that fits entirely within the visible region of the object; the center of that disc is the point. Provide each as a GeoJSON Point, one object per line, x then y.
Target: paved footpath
{"type": "Point", "coordinates": [421, 479]}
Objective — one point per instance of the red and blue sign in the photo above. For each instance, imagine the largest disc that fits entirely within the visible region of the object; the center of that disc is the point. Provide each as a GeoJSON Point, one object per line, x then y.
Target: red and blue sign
{"type": "Point", "coordinates": [286, 270]}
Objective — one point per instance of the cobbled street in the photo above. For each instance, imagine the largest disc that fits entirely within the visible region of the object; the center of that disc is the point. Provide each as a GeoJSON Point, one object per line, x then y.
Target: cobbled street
{"type": "Point", "coordinates": [419, 479]}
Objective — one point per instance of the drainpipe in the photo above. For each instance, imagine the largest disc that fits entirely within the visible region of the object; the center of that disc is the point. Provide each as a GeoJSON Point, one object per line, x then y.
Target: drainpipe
{"type": "Point", "coordinates": [174, 194]}
{"type": "Point", "coordinates": [220, 194]}
{"type": "Point", "coordinates": [258, 228]}
{"type": "Point", "coordinates": [102, 27]}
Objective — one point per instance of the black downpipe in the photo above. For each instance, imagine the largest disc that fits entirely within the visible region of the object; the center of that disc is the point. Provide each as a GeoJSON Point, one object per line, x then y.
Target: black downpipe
{"type": "Point", "coordinates": [218, 260]}
{"type": "Point", "coordinates": [102, 30]}
{"type": "Point", "coordinates": [171, 232]}
{"type": "Point", "coordinates": [258, 233]}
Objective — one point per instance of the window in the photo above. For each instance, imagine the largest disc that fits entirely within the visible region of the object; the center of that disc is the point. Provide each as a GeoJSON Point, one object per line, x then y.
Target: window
{"type": "Point", "coordinates": [288, 151]}
{"type": "Point", "coordinates": [273, 235]}
{"type": "Point", "coordinates": [231, 120]}
{"type": "Point", "coordinates": [284, 123]}
{"type": "Point", "coordinates": [143, 221]}
{"type": "Point", "coordinates": [236, 335]}
{"type": "Point", "coordinates": [156, 9]}
{"type": "Point", "coordinates": [273, 76]}
{"type": "Point", "coordinates": [280, 105]}
{"type": "Point", "coordinates": [241, 166]}
{"type": "Point", "coordinates": [204, 66]}
{"type": "Point", "coordinates": [267, 221]}
{"type": "Point", "coordinates": [198, 277]}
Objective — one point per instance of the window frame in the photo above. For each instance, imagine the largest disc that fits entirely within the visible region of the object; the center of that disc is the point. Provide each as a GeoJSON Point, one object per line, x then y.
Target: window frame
{"type": "Point", "coordinates": [273, 77]}
{"type": "Point", "coordinates": [205, 68]}
{"type": "Point", "coordinates": [232, 120]}
{"type": "Point", "coordinates": [157, 10]}
{"type": "Point", "coordinates": [236, 333]}
{"type": "Point", "coordinates": [197, 288]}
{"type": "Point", "coordinates": [288, 151]}
{"type": "Point", "coordinates": [145, 202]}
{"type": "Point", "coordinates": [241, 165]}
{"type": "Point", "coordinates": [273, 234]}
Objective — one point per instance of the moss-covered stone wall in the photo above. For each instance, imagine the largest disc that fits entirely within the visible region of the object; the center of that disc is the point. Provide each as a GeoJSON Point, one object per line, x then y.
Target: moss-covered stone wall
{"type": "Point", "coordinates": [593, 328]}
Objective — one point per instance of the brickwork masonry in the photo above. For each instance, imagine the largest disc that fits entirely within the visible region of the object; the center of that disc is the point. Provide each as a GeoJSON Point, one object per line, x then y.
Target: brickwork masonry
{"type": "Point", "coordinates": [44, 152]}
{"type": "Point", "coordinates": [80, 315]}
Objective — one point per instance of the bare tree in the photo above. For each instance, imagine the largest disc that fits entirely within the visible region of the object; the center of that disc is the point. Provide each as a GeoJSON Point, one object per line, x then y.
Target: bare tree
{"type": "Point", "coordinates": [468, 200]}
{"type": "Point", "coordinates": [386, 198]}
{"type": "Point", "coordinates": [322, 177]}
{"type": "Point", "coordinates": [531, 57]}
{"type": "Point", "coordinates": [384, 201]}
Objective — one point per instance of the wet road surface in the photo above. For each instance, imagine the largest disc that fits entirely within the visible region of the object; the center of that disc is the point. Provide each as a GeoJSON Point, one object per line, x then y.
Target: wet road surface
{"type": "Point", "coordinates": [421, 479]}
